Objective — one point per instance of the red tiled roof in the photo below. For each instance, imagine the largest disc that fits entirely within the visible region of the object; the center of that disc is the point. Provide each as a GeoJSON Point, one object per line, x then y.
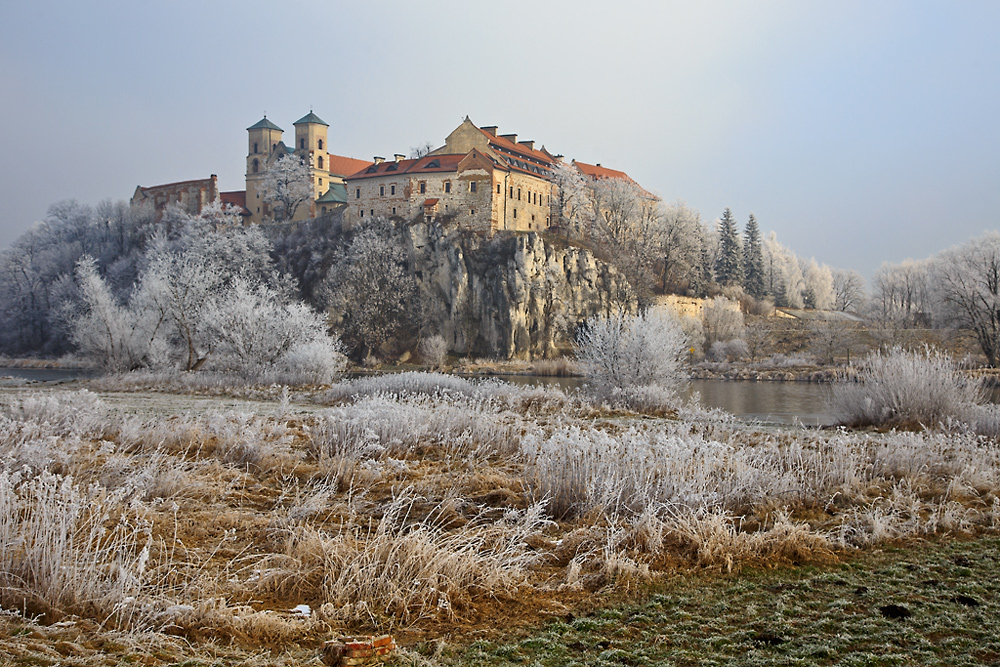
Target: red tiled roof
{"type": "Point", "coordinates": [597, 172]}
{"type": "Point", "coordinates": [431, 202]}
{"type": "Point", "coordinates": [342, 166]}
{"type": "Point", "coordinates": [203, 181]}
{"type": "Point", "coordinates": [498, 142]}
{"type": "Point", "coordinates": [429, 164]}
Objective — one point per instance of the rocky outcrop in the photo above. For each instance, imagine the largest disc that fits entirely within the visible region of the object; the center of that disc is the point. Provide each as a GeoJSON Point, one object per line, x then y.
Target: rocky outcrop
{"type": "Point", "coordinates": [509, 296]}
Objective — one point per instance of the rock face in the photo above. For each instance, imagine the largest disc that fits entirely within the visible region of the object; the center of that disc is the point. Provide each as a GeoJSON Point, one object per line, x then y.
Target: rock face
{"type": "Point", "coordinates": [510, 296]}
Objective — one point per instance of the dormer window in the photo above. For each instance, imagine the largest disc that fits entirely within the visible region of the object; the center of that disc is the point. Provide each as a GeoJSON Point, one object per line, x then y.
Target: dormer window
{"type": "Point", "coordinates": [433, 164]}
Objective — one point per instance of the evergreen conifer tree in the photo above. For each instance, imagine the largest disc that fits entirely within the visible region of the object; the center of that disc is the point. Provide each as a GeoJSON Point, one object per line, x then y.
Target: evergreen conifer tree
{"type": "Point", "coordinates": [728, 269]}
{"type": "Point", "coordinates": [753, 260]}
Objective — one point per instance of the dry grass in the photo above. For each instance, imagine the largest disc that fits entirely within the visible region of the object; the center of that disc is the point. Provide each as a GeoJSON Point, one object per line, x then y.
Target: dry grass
{"type": "Point", "coordinates": [423, 501]}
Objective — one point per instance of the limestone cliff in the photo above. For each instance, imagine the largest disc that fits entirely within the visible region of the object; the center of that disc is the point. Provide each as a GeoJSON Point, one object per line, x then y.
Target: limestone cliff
{"type": "Point", "coordinates": [510, 296]}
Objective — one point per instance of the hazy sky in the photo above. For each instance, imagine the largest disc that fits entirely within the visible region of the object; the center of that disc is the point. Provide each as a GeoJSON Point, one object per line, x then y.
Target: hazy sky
{"type": "Point", "coordinates": [860, 132]}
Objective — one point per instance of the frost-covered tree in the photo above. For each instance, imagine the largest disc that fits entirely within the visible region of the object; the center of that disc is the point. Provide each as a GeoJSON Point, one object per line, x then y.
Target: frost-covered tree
{"type": "Point", "coordinates": [753, 260]}
{"type": "Point", "coordinates": [369, 288]}
{"type": "Point", "coordinates": [817, 289]}
{"type": "Point", "coordinates": [728, 265]}
{"type": "Point", "coordinates": [622, 351]}
{"type": "Point", "coordinates": [901, 294]}
{"type": "Point", "coordinates": [260, 330]}
{"type": "Point", "coordinates": [116, 336]}
{"type": "Point", "coordinates": [782, 274]}
{"type": "Point", "coordinates": [966, 280]}
{"type": "Point", "coordinates": [37, 271]}
{"type": "Point", "coordinates": [722, 321]}
{"type": "Point", "coordinates": [287, 184]}
{"type": "Point", "coordinates": [682, 239]}
{"type": "Point", "coordinates": [574, 201]}
{"type": "Point", "coordinates": [184, 276]}
{"type": "Point", "coordinates": [849, 290]}
{"type": "Point", "coordinates": [626, 224]}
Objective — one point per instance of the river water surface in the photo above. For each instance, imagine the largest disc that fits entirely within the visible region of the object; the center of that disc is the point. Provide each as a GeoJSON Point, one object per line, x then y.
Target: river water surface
{"type": "Point", "coordinates": [770, 402]}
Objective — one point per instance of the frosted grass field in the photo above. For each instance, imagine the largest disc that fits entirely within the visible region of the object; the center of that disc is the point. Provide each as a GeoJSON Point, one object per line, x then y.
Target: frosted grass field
{"type": "Point", "coordinates": [422, 501]}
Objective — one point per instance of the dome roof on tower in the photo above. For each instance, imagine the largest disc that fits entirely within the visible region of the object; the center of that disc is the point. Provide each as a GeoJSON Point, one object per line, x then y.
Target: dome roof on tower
{"type": "Point", "coordinates": [264, 124]}
{"type": "Point", "coordinates": [311, 118]}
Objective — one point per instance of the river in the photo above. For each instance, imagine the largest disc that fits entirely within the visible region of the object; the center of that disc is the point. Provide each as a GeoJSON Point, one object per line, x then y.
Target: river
{"type": "Point", "coordinates": [770, 402]}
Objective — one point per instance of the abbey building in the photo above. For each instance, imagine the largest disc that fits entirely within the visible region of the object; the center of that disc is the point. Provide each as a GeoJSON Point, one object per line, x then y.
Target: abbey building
{"type": "Point", "coordinates": [479, 178]}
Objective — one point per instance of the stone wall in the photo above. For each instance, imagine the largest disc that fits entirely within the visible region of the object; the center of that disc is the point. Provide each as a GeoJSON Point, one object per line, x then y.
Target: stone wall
{"type": "Point", "coordinates": [510, 296]}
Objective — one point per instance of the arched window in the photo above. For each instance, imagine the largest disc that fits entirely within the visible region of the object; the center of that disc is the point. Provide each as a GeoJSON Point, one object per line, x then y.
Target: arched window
{"type": "Point", "coordinates": [321, 144]}
{"type": "Point", "coordinates": [321, 159]}
{"type": "Point", "coordinates": [256, 166]}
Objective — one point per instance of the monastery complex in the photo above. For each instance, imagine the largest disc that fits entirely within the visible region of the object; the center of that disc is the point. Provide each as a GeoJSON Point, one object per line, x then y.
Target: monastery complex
{"type": "Point", "coordinates": [481, 179]}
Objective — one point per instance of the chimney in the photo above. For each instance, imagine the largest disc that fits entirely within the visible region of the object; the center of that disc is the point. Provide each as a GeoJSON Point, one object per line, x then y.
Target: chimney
{"type": "Point", "coordinates": [399, 157]}
{"type": "Point", "coordinates": [378, 160]}
{"type": "Point", "coordinates": [598, 164]}
{"type": "Point", "coordinates": [512, 138]}
{"type": "Point", "coordinates": [490, 129]}
{"type": "Point", "coordinates": [529, 144]}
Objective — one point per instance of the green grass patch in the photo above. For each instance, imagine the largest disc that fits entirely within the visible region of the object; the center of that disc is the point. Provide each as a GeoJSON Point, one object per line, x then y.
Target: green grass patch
{"type": "Point", "coordinates": [928, 603]}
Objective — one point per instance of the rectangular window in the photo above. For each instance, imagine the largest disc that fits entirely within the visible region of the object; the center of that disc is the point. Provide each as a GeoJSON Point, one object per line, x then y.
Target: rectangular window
{"type": "Point", "coordinates": [362, 213]}
{"type": "Point", "coordinates": [512, 192]}
{"type": "Point", "coordinates": [357, 193]}
{"type": "Point", "coordinates": [472, 186]}
{"type": "Point", "coordinates": [423, 187]}
{"type": "Point", "coordinates": [381, 191]}
{"type": "Point", "coordinates": [519, 194]}
{"type": "Point", "coordinates": [472, 211]}
{"type": "Point", "coordinates": [372, 212]}
{"type": "Point", "coordinates": [515, 214]}
{"type": "Point", "coordinates": [498, 188]}
{"type": "Point", "coordinates": [447, 186]}
{"type": "Point", "coordinates": [392, 189]}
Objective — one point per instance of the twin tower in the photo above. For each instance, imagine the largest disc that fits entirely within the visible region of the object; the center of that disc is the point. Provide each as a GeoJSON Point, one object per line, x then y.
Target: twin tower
{"type": "Point", "coordinates": [265, 146]}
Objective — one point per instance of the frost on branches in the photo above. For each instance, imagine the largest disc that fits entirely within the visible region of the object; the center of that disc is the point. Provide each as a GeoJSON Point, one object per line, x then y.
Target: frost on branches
{"type": "Point", "coordinates": [207, 298]}
{"type": "Point", "coordinates": [621, 353]}
{"type": "Point", "coordinates": [287, 184]}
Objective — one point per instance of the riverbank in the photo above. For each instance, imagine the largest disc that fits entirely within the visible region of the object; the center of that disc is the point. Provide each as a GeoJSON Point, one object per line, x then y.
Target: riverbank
{"type": "Point", "coordinates": [423, 506]}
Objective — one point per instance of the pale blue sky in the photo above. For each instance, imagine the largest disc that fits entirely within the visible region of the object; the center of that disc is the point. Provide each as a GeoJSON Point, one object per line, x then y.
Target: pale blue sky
{"type": "Point", "coordinates": [858, 131]}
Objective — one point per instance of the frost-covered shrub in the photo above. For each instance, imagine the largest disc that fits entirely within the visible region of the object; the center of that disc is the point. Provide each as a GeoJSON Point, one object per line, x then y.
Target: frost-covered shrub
{"type": "Point", "coordinates": [72, 550]}
{"type": "Point", "coordinates": [904, 387]}
{"type": "Point", "coordinates": [622, 351]}
{"type": "Point", "coordinates": [317, 361]}
{"type": "Point", "coordinates": [433, 350]}
{"type": "Point", "coordinates": [722, 320]}
{"type": "Point", "coordinates": [81, 413]}
{"type": "Point", "coordinates": [729, 350]}
{"type": "Point", "coordinates": [384, 425]}
{"type": "Point", "coordinates": [261, 332]}
{"type": "Point", "coordinates": [695, 333]}
{"type": "Point", "coordinates": [411, 382]}
{"type": "Point", "coordinates": [787, 361]}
